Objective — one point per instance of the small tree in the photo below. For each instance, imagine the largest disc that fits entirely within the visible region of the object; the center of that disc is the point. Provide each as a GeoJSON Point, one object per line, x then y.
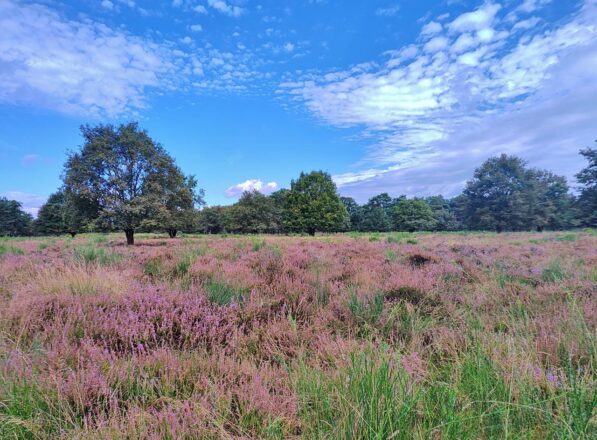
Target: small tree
{"type": "Point", "coordinates": [13, 220]}
{"type": "Point", "coordinates": [587, 177]}
{"type": "Point", "coordinates": [413, 215]}
{"type": "Point", "coordinates": [125, 173]}
{"type": "Point", "coordinates": [312, 204]}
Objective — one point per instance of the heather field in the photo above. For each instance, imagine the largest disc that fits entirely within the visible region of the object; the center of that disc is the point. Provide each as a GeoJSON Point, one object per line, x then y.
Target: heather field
{"type": "Point", "coordinates": [362, 336]}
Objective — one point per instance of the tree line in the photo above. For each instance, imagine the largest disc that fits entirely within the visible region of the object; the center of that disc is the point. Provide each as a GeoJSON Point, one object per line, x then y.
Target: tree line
{"type": "Point", "coordinates": [122, 180]}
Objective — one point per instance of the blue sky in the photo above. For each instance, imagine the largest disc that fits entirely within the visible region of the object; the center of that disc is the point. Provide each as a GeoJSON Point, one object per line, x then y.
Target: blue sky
{"type": "Point", "coordinates": [405, 97]}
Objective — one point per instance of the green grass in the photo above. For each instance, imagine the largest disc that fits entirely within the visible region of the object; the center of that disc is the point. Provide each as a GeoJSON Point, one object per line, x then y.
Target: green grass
{"type": "Point", "coordinates": [468, 398]}
{"type": "Point", "coordinates": [257, 244]}
{"type": "Point", "coordinates": [222, 294]}
{"type": "Point", "coordinates": [9, 249]}
{"type": "Point", "coordinates": [154, 267]}
{"type": "Point", "coordinates": [366, 311]}
{"type": "Point", "coordinates": [567, 237]}
{"type": "Point", "coordinates": [391, 255]}
{"type": "Point", "coordinates": [29, 412]}
{"type": "Point", "coordinates": [90, 254]}
{"type": "Point", "coordinates": [553, 272]}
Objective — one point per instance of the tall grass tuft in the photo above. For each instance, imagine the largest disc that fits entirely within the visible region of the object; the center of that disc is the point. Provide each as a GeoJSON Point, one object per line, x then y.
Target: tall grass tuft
{"type": "Point", "coordinates": [91, 254]}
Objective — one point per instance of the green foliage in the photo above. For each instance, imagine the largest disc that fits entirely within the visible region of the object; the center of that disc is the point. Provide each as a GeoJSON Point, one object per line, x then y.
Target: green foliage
{"type": "Point", "coordinates": [505, 195]}
{"type": "Point", "coordinates": [587, 178]}
{"type": "Point", "coordinates": [376, 214]}
{"type": "Point", "coordinates": [50, 218]}
{"type": "Point", "coordinates": [355, 213]}
{"type": "Point", "coordinates": [313, 205]}
{"type": "Point", "coordinates": [13, 220]}
{"type": "Point", "coordinates": [443, 213]}
{"type": "Point", "coordinates": [254, 213]}
{"type": "Point", "coordinates": [413, 215]}
{"type": "Point", "coordinates": [212, 220]}
{"type": "Point", "coordinates": [131, 179]}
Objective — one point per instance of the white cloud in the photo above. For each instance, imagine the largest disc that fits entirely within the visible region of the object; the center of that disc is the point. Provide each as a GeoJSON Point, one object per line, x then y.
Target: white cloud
{"type": "Point", "coordinates": [30, 202]}
{"type": "Point", "coordinates": [85, 68]}
{"type": "Point", "coordinates": [476, 20]}
{"type": "Point", "coordinates": [107, 4]}
{"type": "Point", "coordinates": [200, 9]}
{"type": "Point", "coordinates": [196, 28]}
{"type": "Point", "coordinates": [225, 8]}
{"type": "Point", "coordinates": [388, 11]}
{"type": "Point", "coordinates": [430, 120]}
{"type": "Point", "coordinates": [529, 6]}
{"type": "Point", "coordinates": [527, 24]}
{"type": "Point", "coordinates": [431, 28]}
{"type": "Point", "coordinates": [251, 185]}
{"type": "Point", "coordinates": [79, 67]}
{"type": "Point", "coordinates": [289, 47]}
{"type": "Point", "coordinates": [463, 42]}
{"type": "Point", "coordinates": [435, 44]}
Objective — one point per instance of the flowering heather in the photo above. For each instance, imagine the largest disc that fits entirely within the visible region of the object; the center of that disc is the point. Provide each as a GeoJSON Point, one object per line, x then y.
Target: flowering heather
{"type": "Point", "coordinates": [456, 336]}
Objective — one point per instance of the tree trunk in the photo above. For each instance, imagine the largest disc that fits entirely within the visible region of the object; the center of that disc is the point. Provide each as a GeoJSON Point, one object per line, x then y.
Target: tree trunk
{"type": "Point", "coordinates": [311, 232]}
{"type": "Point", "coordinates": [499, 229]}
{"type": "Point", "coordinates": [72, 234]}
{"type": "Point", "coordinates": [540, 228]}
{"type": "Point", "coordinates": [172, 233]}
{"type": "Point", "coordinates": [130, 236]}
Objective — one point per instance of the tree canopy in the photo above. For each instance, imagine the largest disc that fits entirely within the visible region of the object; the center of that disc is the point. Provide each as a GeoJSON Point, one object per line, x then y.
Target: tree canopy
{"type": "Point", "coordinates": [312, 205]}
{"type": "Point", "coordinates": [13, 220]}
{"type": "Point", "coordinates": [130, 177]}
{"type": "Point", "coordinates": [413, 215]}
{"type": "Point", "coordinates": [587, 177]}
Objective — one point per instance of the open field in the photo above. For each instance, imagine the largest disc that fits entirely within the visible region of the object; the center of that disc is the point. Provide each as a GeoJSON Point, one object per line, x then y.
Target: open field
{"type": "Point", "coordinates": [364, 336]}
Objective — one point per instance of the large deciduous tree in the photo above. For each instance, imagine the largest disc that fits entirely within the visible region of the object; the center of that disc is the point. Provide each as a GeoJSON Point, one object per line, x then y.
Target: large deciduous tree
{"type": "Point", "coordinates": [587, 177]}
{"type": "Point", "coordinates": [312, 205]}
{"type": "Point", "coordinates": [126, 174]}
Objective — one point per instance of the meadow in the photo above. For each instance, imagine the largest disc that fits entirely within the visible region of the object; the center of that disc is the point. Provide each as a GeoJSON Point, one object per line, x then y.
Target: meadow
{"type": "Point", "coordinates": [344, 336]}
